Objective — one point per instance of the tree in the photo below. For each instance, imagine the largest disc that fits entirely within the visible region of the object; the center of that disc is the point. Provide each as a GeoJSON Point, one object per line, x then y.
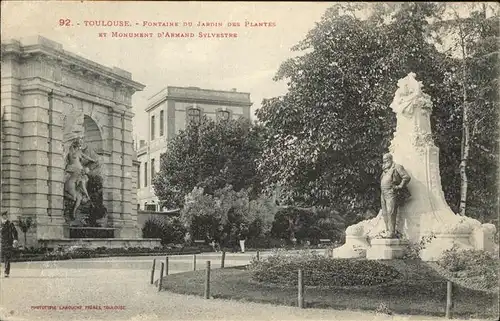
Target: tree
{"type": "Point", "coordinates": [227, 215]}
{"type": "Point", "coordinates": [261, 216]}
{"type": "Point", "coordinates": [169, 230]}
{"type": "Point", "coordinates": [202, 216]}
{"type": "Point", "coordinates": [476, 36]}
{"type": "Point", "coordinates": [297, 223]}
{"type": "Point", "coordinates": [210, 155]}
{"type": "Point", "coordinates": [329, 131]}
{"type": "Point", "coordinates": [25, 224]}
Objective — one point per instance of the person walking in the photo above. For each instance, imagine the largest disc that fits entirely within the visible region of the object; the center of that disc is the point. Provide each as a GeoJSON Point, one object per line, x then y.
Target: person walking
{"type": "Point", "coordinates": [9, 242]}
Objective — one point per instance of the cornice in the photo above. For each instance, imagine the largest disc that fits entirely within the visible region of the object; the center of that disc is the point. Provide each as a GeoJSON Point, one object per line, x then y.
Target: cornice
{"type": "Point", "coordinates": [199, 101]}
{"type": "Point", "coordinates": [42, 84]}
{"type": "Point", "coordinates": [46, 49]}
{"type": "Point", "coordinates": [198, 95]}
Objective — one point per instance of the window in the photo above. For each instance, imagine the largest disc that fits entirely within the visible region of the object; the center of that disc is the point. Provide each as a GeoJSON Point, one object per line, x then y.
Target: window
{"type": "Point", "coordinates": [162, 122]}
{"type": "Point", "coordinates": [223, 115]}
{"type": "Point", "coordinates": [152, 127]}
{"type": "Point", "coordinates": [145, 174]}
{"type": "Point", "coordinates": [152, 168]}
{"type": "Point", "coordinates": [194, 115]}
{"type": "Point", "coordinates": [151, 207]}
{"type": "Point", "coordinates": [138, 176]}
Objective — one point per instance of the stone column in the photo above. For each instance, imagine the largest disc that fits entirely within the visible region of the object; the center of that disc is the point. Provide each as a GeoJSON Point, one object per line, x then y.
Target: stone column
{"type": "Point", "coordinates": [11, 137]}
{"type": "Point", "coordinates": [113, 169]}
{"type": "Point", "coordinates": [120, 171]}
{"type": "Point", "coordinates": [57, 162]}
{"type": "Point", "coordinates": [129, 184]}
{"type": "Point", "coordinates": [42, 161]}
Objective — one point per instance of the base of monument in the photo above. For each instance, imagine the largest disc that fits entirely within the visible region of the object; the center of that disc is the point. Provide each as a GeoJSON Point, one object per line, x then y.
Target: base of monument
{"type": "Point", "coordinates": [355, 247]}
{"type": "Point", "coordinates": [444, 242]}
{"type": "Point", "coordinates": [93, 243]}
{"type": "Point", "coordinates": [386, 249]}
{"type": "Point", "coordinates": [91, 232]}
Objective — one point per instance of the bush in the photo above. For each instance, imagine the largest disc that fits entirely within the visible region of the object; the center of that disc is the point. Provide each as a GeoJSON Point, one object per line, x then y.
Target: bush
{"type": "Point", "coordinates": [455, 260]}
{"type": "Point", "coordinates": [413, 250]}
{"type": "Point", "coordinates": [307, 224]}
{"type": "Point", "coordinates": [174, 231]}
{"type": "Point", "coordinates": [169, 230]}
{"type": "Point", "coordinates": [474, 267]}
{"type": "Point", "coordinates": [281, 268]}
{"type": "Point", "coordinates": [264, 243]}
{"type": "Point", "coordinates": [153, 229]}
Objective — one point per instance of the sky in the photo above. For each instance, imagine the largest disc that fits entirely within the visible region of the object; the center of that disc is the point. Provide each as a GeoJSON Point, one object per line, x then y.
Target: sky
{"type": "Point", "coordinates": [247, 63]}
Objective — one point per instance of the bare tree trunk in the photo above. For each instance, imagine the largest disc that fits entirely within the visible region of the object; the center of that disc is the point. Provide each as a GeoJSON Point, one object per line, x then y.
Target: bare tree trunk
{"type": "Point", "coordinates": [464, 161]}
{"type": "Point", "coordinates": [465, 131]}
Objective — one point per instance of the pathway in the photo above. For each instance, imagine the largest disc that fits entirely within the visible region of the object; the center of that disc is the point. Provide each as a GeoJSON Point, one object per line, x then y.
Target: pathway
{"type": "Point", "coordinates": [49, 290]}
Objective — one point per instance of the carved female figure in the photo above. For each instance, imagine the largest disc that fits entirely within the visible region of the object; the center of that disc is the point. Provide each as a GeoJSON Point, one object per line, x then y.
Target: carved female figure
{"type": "Point", "coordinates": [77, 175]}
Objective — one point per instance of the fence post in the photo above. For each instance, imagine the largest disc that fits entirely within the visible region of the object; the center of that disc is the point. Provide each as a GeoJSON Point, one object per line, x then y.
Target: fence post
{"type": "Point", "coordinates": [258, 256]}
{"type": "Point", "coordinates": [194, 262]}
{"type": "Point", "coordinates": [207, 281]}
{"type": "Point", "coordinates": [153, 271]}
{"type": "Point", "coordinates": [449, 301]}
{"type": "Point", "coordinates": [160, 280]}
{"type": "Point", "coordinates": [166, 265]}
{"type": "Point", "coordinates": [301, 289]}
{"type": "Point", "coordinates": [223, 259]}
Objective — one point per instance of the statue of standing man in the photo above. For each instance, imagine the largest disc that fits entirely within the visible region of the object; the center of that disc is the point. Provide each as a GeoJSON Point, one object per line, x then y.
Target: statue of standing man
{"type": "Point", "coordinates": [393, 184]}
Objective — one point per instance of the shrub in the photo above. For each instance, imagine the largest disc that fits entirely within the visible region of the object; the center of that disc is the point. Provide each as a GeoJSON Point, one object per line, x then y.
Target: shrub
{"type": "Point", "coordinates": [455, 260]}
{"type": "Point", "coordinates": [265, 243]}
{"type": "Point", "coordinates": [174, 231]}
{"type": "Point", "coordinates": [169, 230]}
{"type": "Point", "coordinates": [477, 267]}
{"type": "Point", "coordinates": [307, 224]}
{"type": "Point", "coordinates": [281, 268]}
{"type": "Point", "coordinates": [153, 228]}
{"type": "Point", "coordinates": [413, 250]}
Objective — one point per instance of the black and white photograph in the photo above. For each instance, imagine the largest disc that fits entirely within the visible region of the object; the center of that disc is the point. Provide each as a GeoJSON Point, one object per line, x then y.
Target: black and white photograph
{"type": "Point", "coordinates": [245, 160]}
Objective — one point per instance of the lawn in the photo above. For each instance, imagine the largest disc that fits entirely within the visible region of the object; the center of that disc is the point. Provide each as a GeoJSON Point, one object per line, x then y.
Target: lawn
{"type": "Point", "coordinates": [420, 291]}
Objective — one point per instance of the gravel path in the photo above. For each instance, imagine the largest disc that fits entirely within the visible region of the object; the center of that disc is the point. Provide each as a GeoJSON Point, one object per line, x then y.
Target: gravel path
{"type": "Point", "coordinates": [53, 290]}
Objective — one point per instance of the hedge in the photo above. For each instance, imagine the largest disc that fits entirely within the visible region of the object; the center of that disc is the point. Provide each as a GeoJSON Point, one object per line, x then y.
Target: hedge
{"type": "Point", "coordinates": [81, 253]}
{"type": "Point", "coordinates": [321, 271]}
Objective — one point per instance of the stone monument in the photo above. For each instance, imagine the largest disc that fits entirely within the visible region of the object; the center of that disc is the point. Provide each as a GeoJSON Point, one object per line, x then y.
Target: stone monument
{"type": "Point", "coordinates": [426, 212]}
{"type": "Point", "coordinates": [67, 148]}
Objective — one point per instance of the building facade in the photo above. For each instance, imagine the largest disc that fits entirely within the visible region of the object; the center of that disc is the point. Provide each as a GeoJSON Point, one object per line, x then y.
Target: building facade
{"type": "Point", "coordinates": [168, 112]}
{"type": "Point", "coordinates": [52, 98]}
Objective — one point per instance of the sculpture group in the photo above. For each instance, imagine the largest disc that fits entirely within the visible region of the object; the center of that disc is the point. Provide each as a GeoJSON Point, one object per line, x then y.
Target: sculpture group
{"type": "Point", "coordinates": [78, 171]}
{"type": "Point", "coordinates": [413, 207]}
{"type": "Point", "coordinates": [75, 187]}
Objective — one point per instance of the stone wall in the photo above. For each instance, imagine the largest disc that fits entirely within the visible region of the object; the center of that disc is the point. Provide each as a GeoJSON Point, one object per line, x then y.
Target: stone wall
{"type": "Point", "coordinates": [49, 96]}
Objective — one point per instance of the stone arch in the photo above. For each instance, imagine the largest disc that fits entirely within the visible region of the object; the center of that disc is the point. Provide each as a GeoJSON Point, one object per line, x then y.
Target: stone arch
{"type": "Point", "coordinates": [92, 134]}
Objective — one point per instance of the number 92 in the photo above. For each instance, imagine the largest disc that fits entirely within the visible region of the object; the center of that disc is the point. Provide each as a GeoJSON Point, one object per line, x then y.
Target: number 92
{"type": "Point", "coordinates": [65, 22]}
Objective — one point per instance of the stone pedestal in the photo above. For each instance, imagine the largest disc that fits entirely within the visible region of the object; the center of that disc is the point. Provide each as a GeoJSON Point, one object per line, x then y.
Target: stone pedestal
{"type": "Point", "coordinates": [386, 249]}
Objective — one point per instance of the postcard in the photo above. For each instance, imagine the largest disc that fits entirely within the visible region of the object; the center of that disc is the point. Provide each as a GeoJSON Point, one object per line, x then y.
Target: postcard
{"type": "Point", "coordinates": [202, 160]}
